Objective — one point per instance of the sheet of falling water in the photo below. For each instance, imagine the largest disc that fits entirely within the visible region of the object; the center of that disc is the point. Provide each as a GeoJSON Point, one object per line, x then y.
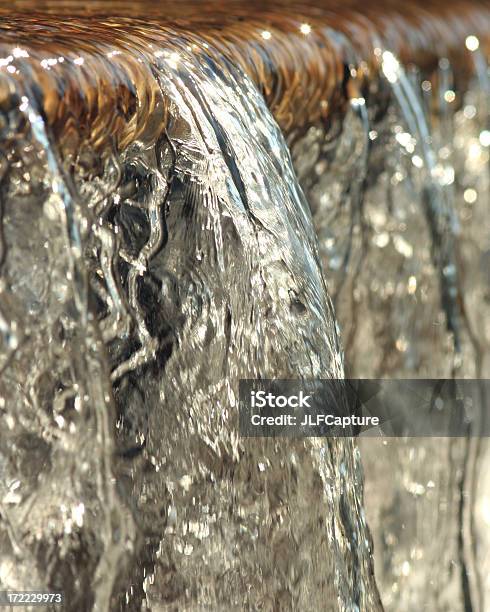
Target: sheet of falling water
{"type": "Point", "coordinates": [200, 269]}
{"type": "Point", "coordinates": [134, 299]}
{"type": "Point", "coordinates": [390, 273]}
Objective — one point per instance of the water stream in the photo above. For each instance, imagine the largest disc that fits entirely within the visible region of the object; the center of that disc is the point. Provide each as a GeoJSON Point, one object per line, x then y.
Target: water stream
{"type": "Point", "coordinates": [148, 265]}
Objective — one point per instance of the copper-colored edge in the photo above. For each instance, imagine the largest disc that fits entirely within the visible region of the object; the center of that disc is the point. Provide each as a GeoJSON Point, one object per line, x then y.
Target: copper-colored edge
{"type": "Point", "coordinates": [113, 99]}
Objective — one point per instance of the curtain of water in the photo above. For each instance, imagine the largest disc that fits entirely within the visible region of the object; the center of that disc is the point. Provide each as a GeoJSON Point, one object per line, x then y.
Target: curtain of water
{"type": "Point", "coordinates": [425, 500]}
{"type": "Point", "coordinates": [207, 245]}
{"type": "Point", "coordinates": [138, 286]}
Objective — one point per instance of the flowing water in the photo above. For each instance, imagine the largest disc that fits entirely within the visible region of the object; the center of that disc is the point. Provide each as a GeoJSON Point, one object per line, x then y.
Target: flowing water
{"type": "Point", "coordinates": [168, 228]}
{"type": "Point", "coordinates": [422, 496]}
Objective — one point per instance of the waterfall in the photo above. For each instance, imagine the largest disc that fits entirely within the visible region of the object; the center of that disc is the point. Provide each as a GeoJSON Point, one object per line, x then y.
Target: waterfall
{"type": "Point", "coordinates": [182, 208]}
{"type": "Point", "coordinates": [206, 243]}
